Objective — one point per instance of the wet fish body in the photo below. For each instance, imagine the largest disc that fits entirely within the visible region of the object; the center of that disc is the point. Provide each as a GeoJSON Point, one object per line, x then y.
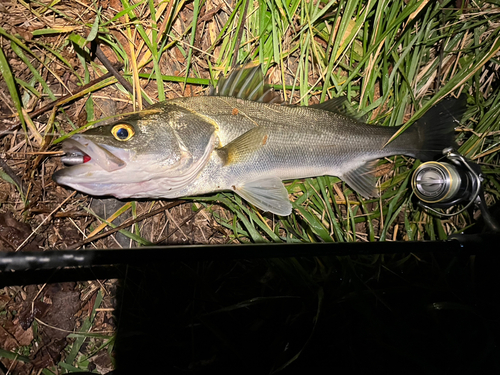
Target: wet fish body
{"type": "Point", "coordinates": [199, 145]}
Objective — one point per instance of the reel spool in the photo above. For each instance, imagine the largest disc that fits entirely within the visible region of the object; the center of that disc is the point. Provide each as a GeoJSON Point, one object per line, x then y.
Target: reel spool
{"type": "Point", "coordinates": [445, 184]}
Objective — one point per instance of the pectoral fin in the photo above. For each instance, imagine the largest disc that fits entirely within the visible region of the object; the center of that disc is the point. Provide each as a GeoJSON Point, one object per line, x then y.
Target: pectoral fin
{"type": "Point", "coordinates": [244, 146]}
{"type": "Point", "coordinates": [362, 179]}
{"type": "Point", "coordinates": [268, 195]}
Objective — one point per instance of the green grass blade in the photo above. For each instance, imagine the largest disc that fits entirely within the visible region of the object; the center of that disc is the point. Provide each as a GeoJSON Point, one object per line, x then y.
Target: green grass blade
{"type": "Point", "coordinates": [11, 85]}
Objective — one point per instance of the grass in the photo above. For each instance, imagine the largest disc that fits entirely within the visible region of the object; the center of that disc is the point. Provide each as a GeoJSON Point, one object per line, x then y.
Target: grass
{"type": "Point", "coordinates": [393, 59]}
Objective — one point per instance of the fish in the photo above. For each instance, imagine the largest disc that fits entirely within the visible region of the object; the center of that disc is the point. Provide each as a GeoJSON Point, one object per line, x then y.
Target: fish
{"type": "Point", "coordinates": [239, 139]}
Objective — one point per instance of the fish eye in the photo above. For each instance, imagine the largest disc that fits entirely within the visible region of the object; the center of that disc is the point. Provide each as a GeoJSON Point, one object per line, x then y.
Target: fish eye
{"type": "Point", "coordinates": [123, 132]}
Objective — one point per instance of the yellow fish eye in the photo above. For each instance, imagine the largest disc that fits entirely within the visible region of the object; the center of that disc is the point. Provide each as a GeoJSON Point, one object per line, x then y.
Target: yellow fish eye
{"type": "Point", "coordinates": [123, 132]}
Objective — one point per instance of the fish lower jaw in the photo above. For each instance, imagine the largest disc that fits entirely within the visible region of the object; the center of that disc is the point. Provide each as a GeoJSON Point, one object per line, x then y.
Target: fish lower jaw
{"type": "Point", "coordinates": [152, 189]}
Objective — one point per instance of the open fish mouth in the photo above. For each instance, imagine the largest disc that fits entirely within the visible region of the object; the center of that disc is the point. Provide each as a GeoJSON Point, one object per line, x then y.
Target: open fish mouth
{"type": "Point", "coordinates": [88, 164]}
{"type": "Point", "coordinates": [81, 150]}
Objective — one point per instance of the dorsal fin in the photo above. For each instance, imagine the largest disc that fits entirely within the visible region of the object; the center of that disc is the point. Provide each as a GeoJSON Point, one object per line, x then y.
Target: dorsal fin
{"type": "Point", "coordinates": [341, 106]}
{"type": "Point", "coordinates": [246, 82]}
{"type": "Point", "coordinates": [337, 105]}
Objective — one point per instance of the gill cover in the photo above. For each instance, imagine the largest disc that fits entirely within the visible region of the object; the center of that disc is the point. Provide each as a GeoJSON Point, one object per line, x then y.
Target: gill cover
{"type": "Point", "coordinates": [172, 137]}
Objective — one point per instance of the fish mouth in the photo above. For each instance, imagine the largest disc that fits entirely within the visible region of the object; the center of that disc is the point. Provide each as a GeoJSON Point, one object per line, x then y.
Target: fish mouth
{"type": "Point", "coordinates": [80, 150]}
{"type": "Point", "coordinates": [84, 158]}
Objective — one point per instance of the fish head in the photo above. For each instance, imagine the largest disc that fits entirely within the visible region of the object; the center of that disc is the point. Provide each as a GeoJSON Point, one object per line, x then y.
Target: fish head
{"type": "Point", "coordinates": [153, 153]}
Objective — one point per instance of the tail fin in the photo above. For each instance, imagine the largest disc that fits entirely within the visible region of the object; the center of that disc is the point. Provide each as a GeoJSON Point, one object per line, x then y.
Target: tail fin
{"type": "Point", "coordinates": [424, 140]}
{"type": "Point", "coordinates": [436, 128]}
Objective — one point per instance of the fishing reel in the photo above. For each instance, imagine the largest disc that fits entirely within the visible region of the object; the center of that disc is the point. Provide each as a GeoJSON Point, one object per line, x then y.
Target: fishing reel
{"type": "Point", "coordinates": [444, 184]}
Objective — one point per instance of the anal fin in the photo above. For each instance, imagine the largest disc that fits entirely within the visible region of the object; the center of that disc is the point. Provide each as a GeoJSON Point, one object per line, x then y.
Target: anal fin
{"type": "Point", "coordinates": [267, 194]}
{"type": "Point", "coordinates": [362, 179]}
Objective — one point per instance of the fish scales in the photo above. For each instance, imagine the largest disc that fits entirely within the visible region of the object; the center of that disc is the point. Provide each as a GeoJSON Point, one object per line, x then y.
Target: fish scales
{"type": "Point", "coordinates": [302, 142]}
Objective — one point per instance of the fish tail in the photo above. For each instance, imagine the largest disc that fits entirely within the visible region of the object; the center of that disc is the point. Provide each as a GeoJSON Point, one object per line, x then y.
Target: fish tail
{"type": "Point", "coordinates": [435, 131]}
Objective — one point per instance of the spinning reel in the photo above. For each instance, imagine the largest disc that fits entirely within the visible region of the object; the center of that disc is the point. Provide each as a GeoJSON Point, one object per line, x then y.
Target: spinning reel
{"type": "Point", "coordinates": [444, 184]}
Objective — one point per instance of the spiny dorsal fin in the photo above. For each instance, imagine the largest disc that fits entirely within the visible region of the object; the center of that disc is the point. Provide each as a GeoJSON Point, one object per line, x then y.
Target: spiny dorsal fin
{"type": "Point", "coordinates": [246, 82]}
{"type": "Point", "coordinates": [244, 146]}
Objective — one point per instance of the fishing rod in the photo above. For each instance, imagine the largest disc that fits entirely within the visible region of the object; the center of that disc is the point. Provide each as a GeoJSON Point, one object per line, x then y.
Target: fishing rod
{"type": "Point", "coordinates": [21, 268]}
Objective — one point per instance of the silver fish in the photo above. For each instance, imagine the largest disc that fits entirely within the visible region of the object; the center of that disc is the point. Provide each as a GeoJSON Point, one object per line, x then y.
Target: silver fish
{"type": "Point", "coordinates": [199, 145]}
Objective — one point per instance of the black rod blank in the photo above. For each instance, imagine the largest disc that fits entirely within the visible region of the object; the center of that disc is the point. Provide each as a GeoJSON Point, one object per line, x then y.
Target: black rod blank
{"type": "Point", "coordinates": [14, 261]}
{"type": "Point", "coordinates": [21, 268]}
